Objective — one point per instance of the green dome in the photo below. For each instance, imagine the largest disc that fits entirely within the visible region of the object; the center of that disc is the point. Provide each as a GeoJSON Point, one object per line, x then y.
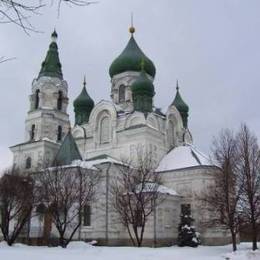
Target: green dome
{"type": "Point", "coordinates": [142, 93]}
{"type": "Point", "coordinates": [130, 60]}
{"type": "Point", "coordinates": [179, 103]}
{"type": "Point", "coordinates": [83, 106]}
{"type": "Point", "coordinates": [181, 106]}
{"type": "Point", "coordinates": [83, 102]}
{"type": "Point", "coordinates": [143, 86]}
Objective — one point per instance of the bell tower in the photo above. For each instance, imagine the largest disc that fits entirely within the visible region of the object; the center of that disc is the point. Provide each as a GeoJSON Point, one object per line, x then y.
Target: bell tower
{"type": "Point", "coordinates": [47, 120]}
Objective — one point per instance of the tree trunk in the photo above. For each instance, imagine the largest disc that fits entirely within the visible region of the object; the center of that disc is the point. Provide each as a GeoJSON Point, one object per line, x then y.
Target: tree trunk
{"type": "Point", "coordinates": [47, 225]}
{"type": "Point", "coordinates": [234, 240]}
{"type": "Point", "coordinates": [254, 236]}
{"type": "Point", "coordinates": [62, 242]}
{"type": "Point", "coordinates": [130, 234]}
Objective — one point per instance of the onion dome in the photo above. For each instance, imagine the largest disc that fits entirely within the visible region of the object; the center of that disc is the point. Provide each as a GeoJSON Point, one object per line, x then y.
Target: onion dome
{"type": "Point", "coordinates": [51, 66]}
{"type": "Point", "coordinates": [143, 86]}
{"type": "Point", "coordinates": [130, 59]}
{"type": "Point", "coordinates": [143, 92]}
{"type": "Point", "coordinates": [182, 107]}
{"type": "Point", "coordinates": [83, 106]}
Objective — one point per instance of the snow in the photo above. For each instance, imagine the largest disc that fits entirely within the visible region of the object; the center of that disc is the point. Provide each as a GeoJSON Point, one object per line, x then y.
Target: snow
{"type": "Point", "coordinates": [83, 251]}
{"type": "Point", "coordinates": [183, 157]}
{"type": "Point", "coordinates": [149, 187]}
{"type": "Point", "coordinates": [49, 140]}
{"type": "Point", "coordinates": [90, 164]}
{"type": "Point", "coordinates": [166, 190]}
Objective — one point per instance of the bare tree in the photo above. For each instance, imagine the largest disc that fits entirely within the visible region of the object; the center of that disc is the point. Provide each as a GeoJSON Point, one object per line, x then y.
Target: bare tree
{"type": "Point", "coordinates": [249, 178]}
{"type": "Point", "coordinates": [16, 204]}
{"type": "Point", "coordinates": [19, 11]}
{"type": "Point", "coordinates": [64, 192]}
{"type": "Point", "coordinates": [135, 194]}
{"type": "Point", "coordinates": [222, 196]}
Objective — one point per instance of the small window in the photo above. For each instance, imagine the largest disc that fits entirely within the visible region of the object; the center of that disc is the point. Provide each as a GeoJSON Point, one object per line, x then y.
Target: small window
{"type": "Point", "coordinates": [28, 163]}
{"type": "Point", "coordinates": [122, 90]}
{"type": "Point", "coordinates": [104, 130]}
{"type": "Point", "coordinates": [185, 209]}
{"type": "Point", "coordinates": [59, 134]}
{"type": "Point", "coordinates": [87, 215]}
{"type": "Point", "coordinates": [37, 99]}
{"type": "Point", "coordinates": [171, 133]}
{"type": "Point", "coordinates": [138, 218]}
{"type": "Point", "coordinates": [59, 101]}
{"type": "Point", "coordinates": [32, 132]}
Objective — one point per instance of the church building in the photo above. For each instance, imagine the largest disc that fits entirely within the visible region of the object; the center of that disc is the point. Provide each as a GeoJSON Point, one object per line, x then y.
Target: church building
{"type": "Point", "coordinates": [107, 131]}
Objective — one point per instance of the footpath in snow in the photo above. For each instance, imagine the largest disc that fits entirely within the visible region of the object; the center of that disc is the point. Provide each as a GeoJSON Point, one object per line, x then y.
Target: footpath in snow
{"type": "Point", "coordinates": [83, 251]}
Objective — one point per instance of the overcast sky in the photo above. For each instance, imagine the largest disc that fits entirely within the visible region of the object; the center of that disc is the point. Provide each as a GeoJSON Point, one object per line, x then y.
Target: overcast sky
{"type": "Point", "coordinates": [211, 47]}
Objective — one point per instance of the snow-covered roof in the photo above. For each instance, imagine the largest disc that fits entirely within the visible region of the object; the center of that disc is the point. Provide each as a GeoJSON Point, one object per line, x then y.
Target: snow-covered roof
{"type": "Point", "coordinates": [90, 163]}
{"type": "Point", "coordinates": [152, 187]}
{"type": "Point", "coordinates": [183, 157]}
{"type": "Point", "coordinates": [166, 190]}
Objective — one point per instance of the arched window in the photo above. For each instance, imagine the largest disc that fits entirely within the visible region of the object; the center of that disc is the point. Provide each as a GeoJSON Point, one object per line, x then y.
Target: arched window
{"type": "Point", "coordinates": [32, 132]}
{"type": "Point", "coordinates": [122, 90]}
{"type": "Point", "coordinates": [87, 215]}
{"type": "Point", "coordinates": [104, 130]}
{"type": "Point", "coordinates": [28, 163]}
{"type": "Point", "coordinates": [37, 99]}
{"type": "Point", "coordinates": [59, 100]}
{"type": "Point", "coordinates": [59, 133]}
{"type": "Point", "coordinates": [171, 133]}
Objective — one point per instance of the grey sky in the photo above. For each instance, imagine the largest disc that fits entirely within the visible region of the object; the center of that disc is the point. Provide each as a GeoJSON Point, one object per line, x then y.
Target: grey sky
{"type": "Point", "coordinates": [211, 46]}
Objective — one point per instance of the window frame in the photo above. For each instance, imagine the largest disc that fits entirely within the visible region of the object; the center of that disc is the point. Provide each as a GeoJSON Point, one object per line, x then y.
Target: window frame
{"type": "Point", "coordinates": [59, 133]}
{"type": "Point", "coordinates": [32, 132]}
{"type": "Point", "coordinates": [28, 163]}
{"type": "Point", "coordinates": [104, 128]}
{"type": "Point", "coordinates": [86, 216]}
{"type": "Point", "coordinates": [37, 99]}
{"type": "Point", "coordinates": [59, 100]}
{"type": "Point", "coordinates": [122, 93]}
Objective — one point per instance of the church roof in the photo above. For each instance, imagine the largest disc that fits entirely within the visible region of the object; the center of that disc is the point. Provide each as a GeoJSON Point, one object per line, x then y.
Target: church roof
{"type": "Point", "coordinates": [143, 86]}
{"type": "Point", "coordinates": [68, 152]}
{"type": "Point", "coordinates": [83, 106]}
{"type": "Point", "coordinates": [92, 162]}
{"type": "Point", "coordinates": [130, 60]}
{"type": "Point", "coordinates": [184, 156]}
{"type": "Point", "coordinates": [179, 103]}
{"type": "Point", "coordinates": [51, 66]}
{"type": "Point", "coordinates": [83, 101]}
{"type": "Point", "coordinates": [152, 186]}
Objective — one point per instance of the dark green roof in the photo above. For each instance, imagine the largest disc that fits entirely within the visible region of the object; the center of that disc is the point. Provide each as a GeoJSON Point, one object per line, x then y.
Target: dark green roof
{"type": "Point", "coordinates": [68, 152]}
{"type": "Point", "coordinates": [181, 106]}
{"type": "Point", "coordinates": [83, 102]}
{"type": "Point", "coordinates": [179, 103]}
{"type": "Point", "coordinates": [130, 60]}
{"type": "Point", "coordinates": [143, 86]}
{"type": "Point", "coordinates": [83, 106]}
{"type": "Point", "coordinates": [51, 66]}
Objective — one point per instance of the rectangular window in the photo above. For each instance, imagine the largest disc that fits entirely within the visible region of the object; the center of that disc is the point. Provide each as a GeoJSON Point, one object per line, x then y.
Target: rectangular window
{"type": "Point", "coordinates": [139, 218]}
{"type": "Point", "coordinates": [87, 215]}
{"type": "Point", "coordinates": [185, 209]}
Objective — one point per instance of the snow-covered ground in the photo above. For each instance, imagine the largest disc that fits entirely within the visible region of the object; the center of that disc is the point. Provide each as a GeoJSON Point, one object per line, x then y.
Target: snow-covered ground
{"type": "Point", "coordinates": [82, 251]}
